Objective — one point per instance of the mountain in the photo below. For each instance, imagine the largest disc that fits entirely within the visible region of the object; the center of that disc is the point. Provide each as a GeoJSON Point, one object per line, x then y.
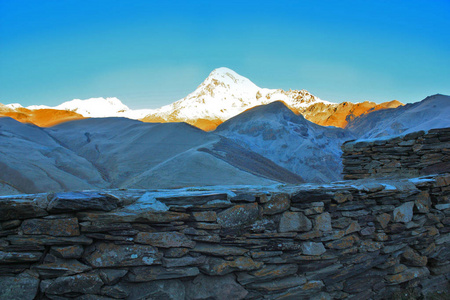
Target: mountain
{"type": "Point", "coordinates": [291, 141]}
{"type": "Point", "coordinates": [122, 153]}
{"type": "Point", "coordinates": [223, 94]}
{"type": "Point", "coordinates": [432, 112]}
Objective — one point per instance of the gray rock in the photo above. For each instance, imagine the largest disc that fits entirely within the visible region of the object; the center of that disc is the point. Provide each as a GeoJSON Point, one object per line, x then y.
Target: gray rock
{"type": "Point", "coordinates": [404, 213]}
{"type": "Point", "coordinates": [21, 207]}
{"type": "Point", "coordinates": [214, 287]}
{"type": "Point", "coordinates": [183, 261]}
{"type": "Point", "coordinates": [86, 283]}
{"type": "Point", "coordinates": [48, 240]}
{"type": "Point", "coordinates": [323, 222]}
{"type": "Point", "coordinates": [111, 255]}
{"type": "Point", "coordinates": [238, 215]}
{"type": "Point", "coordinates": [278, 284]}
{"type": "Point", "coordinates": [164, 239]}
{"type": "Point", "coordinates": [77, 201]}
{"type": "Point", "coordinates": [56, 267]}
{"type": "Point", "coordinates": [218, 250]}
{"type": "Point", "coordinates": [277, 204]}
{"type": "Point", "coordinates": [311, 248]}
{"type": "Point", "coordinates": [74, 251]}
{"type": "Point", "coordinates": [143, 274]}
{"type": "Point", "coordinates": [294, 221]}
{"type": "Point", "coordinates": [53, 227]}
{"type": "Point", "coordinates": [116, 292]}
{"type": "Point", "coordinates": [266, 273]}
{"type": "Point", "coordinates": [112, 276]}
{"type": "Point", "coordinates": [161, 289]}
{"type": "Point", "coordinates": [17, 257]}
{"type": "Point", "coordinates": [218, 266]}
{"type": "Point", "coordinates": [20, 287]}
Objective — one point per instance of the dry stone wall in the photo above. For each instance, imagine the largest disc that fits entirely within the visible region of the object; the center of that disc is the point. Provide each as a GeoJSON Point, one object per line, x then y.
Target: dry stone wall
{"type": "Point", "coordinates": [411, 155]}
{"type": "Point", "coordinates": [350, 240]}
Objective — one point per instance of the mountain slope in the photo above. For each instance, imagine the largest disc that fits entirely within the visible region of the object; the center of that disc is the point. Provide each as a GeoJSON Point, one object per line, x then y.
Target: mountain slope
{"type": "Point", "coordinates": [432, 112]}
{"type": "Point", "coordinates": [291, 141]}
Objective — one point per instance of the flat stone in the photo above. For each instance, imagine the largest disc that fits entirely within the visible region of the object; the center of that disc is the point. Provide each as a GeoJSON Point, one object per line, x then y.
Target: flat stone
{"type": "Point", "coordinates": [20, 287]}
{"type": "Point", "coordinates": [404, 213]}
{"type": "Point", "coordinates": [192, 198]}
{"type": "Point", "coordinates": [214, 287]}
{"type": "Point", "coordinates": [238, 215]}
{"type": "Point", "coordinates": [103, 254]}
{"type": "Point", "coordinates": [278, 284]}
{"type": "Point", "coordinates": [74, 251]}
{"type": "Point", "coordinates": [48, 240]}
{"type": "Point", "coordinates": [116, 292]}
{"type": "Point", "coordinates": [86, 283]}
{"type": "Point", "coordinates": [343, 243]}
{"type": "Point", "coordinates": [22, 207]}
{"type": "Point", "coordinates": [125, 216]}
{"type": "Point", "coordinates": [412, 258]}
{"type": "Point", "coordinates": [277, 204]}
{"type": "Point", "coordinates": [77, 201]}
{"type": "Point", "coordinates": [164, 239]}
{"type": "Point", "coordinates": [407, 275]}
{"type": "Point", "coordinates": [218, 266]}
{"type": "Point", "coordinates": [112, 276]}
{"type": "Point", "coordinates": [294, 221]}
{"type": "Point", "coordinates": [423, 202]}
{"type": "Point", "coordinates": [218, 250]}
{"type": "Point", "coordinates": [311, 248]}
{"type": "Point", "coordinates": [183, 261]}
{"type": "Point", "coordinates": [322, 222]}
{"type": "Point", "coordinates": [162, 289]}
{"type": "Point", "coordinates": [353, 227]}
{"type": "Point", "coordinates": [204, 216]}
{"type": "Point", "coordinates": [266, 273]}
{"type": "Point", "coordinates": [56, 267]}
{"type": "Point", "coordinates": [384, 220]}
{"type": "Point", "coordinates": [176, 252]}
{"type": "Point", "coordinates": [143, 274]}
{"type": "Point", "coordinates": [341, 197]}
{"type": "Point", "coordinates": [19, 257]}
{"type": "Point", "coordinates": [53, 227]}
{"type": "Point", "coordinates": [10, 224]}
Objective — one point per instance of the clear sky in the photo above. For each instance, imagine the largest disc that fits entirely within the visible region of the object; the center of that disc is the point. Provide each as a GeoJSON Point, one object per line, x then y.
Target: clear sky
{"type": "Point", "coordinates": [151, 53]}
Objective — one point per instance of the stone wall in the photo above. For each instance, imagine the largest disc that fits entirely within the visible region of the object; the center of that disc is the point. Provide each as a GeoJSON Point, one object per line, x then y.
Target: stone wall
{"type": "Point", "coordinates": [411, 155]}
{"type": "Point", "coordinates": [351, 240]}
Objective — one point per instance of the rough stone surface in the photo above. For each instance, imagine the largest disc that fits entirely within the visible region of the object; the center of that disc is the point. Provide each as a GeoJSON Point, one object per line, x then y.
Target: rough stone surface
{"type": "Point", "coordinates": [54, 227]}
{"type": "Point", "coordinates": [215, 287]}
{"type": "Point", "coordinates": [77, 201]}
{"type": "Point", "coordinates": [238, 215]}
{"type": "Point", "coordinates": [160, 289]}
{"type": "Point", "coordinates": [143, 274]}
{"type": "Point", "coordinates": [20, 287]}
{"type": "Point", "coordinates": [404, 213]}
{"type": "Point", "coordinates": [294, 221]}
{"type": "Point", "coordinates": [312, 248]}
{"type": "Point", "coordinates": [164, 239]}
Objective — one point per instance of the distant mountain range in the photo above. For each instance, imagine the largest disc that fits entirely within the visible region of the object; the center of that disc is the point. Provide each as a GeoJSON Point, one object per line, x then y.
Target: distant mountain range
{"type": "Point", "coordinates": [271, 143]}
{"type": "Point", "coordinates": [223, 95]}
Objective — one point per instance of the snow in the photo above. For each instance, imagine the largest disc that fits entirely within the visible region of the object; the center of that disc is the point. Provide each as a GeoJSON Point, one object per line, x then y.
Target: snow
{"type": "Point", "coordinates": [13, 105]}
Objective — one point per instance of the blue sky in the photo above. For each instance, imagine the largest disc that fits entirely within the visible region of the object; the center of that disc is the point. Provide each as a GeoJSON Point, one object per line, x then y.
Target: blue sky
{"type": "Point", "coordinates": [151, 53]}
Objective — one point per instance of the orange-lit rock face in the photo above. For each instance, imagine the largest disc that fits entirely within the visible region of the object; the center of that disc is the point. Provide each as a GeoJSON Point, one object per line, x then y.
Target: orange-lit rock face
{"type": "Point", "coordinates": [40, 117]}
{"type": "Point", "coordinates": [338, 115]}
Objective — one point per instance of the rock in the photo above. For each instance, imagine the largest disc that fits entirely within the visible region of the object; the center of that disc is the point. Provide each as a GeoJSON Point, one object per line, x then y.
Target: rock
{"type": "Point", "coordinates": [55, 267]}
{"type": "Point", "coordinates": [21, 207]}
{"type": "Point", "coordinates": [353, 227]}
{"type": "Point", "coordinates": [218, 250]}
{"type": "Point", "coordinates": [277, 204]}
{"type": "Point", "coordinates": [161, 289]}
{"type": "Point", "coordinates": [143, 274]}
{"type": "Point", "coordinates": [204, 216]}
{"type": "Point", "coordinates": [216, 287]}
{"type": "Point", "coordinates": [343, 243]}
{"type": "Point", "coordinates": [238, 215]}
{"type": "Point", "coordinates": [164, 239]}
{"type": "Point", "coordinates": [407, 275]}
{"type": "Point", "coordinates": [183, 261]}
{"type": "Point", "coordinates": [412, 258]}
{"type": "Point", "coordinates": [133, 217]}
{"type": "Point", "coordinates": [278, 284]}
{"type": "Point", "coordinates": [176, 252]}
{"type": "Point", "coordinates": [311, 248]}
{"type": "Point", "coordinates": [112, 276]}
{"type": "Point", "coordinates": [341, 197]}
{"type": "Point", "coordinates": [384, 220]}
{"type": "Point", "coordinates": [19, 257]}
{"type": "Point", "coordinates": [53, 227]}
{"type": "Point", "coordinates": [48, 240]}
{"type": "Point", "coordinates": [404, 213]}
{"type": "Point", "coordinates": [423, 202]}
{"type": "Point", "coordinates": [218, 266]}
{"type": "Point", "coordinates": [78, 201]}
{"type": "Point", "coordinates": [21, 287]}
{"type": "Point", "coordinates": [266, 273]}
{"type": "Point", "coordinates": [10, 224]}
{"type": "Point", "coordinates": [67, 252]}
{"type": "Point", "coordinates": [323, 222]}
{"type": "Point", "coordinates": [294, 221]}
{"type": "Point", "coordinates": [86, 283]}
{"type": "Point", "coordinates": [116, 292]}
{"type": "Point", "coordinates": [367, 231]}
{"type": "Point", "coordinates": [111, 255]}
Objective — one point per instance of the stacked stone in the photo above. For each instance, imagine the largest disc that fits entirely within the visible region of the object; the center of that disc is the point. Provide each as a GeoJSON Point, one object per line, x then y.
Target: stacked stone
{"type": "Point", "coordinates": [415, 154]}
{"type": "Point", "coordinates": [356, 240]}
